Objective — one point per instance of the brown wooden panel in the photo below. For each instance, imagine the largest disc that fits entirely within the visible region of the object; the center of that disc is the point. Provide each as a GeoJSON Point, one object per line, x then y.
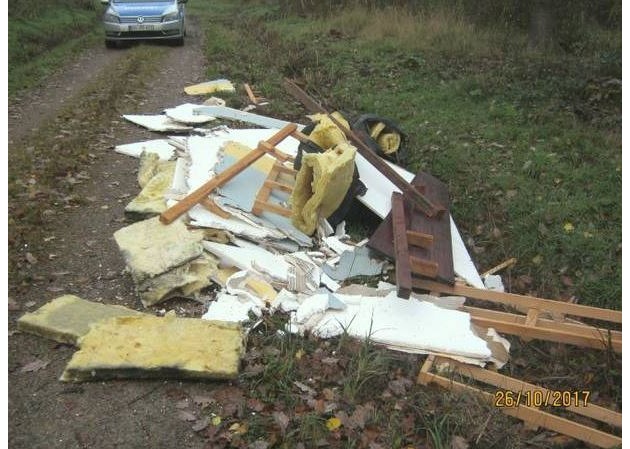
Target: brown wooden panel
{"type": "Point", "coordinates": [439, 227]}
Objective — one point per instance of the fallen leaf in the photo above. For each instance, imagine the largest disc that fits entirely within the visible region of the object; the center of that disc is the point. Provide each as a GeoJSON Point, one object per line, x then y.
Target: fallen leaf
{"type": "Point", "coordinates": [201, 424]}
{"type": "Point", "coordinates": [182, 404]}
{"type": "Point", "coordinates": [33, 366]}
{"type": "Point", "coordinates": [333, 423]}
{"type": "Point", "coordinates": [458, 442]}
{"type": "Point", "coordinates": [13, 305]}
{"type": "Point", "coordinates": [255, 405]}
{"type": "Point", "coordinates": [30, 258]}
{"type": "Point", "coordinates": [305, 388]}
{"type": "Point", "coordinates": [202, 401]}
{"type": "Point", "coordinates": [216, 420]}
{"type": "Point", "coordinates": [299, 354]}
{"type": "Point", "coordinates": [568, 227]}
{"type": "Point", "coordinates": [185, 415]}
{"type": "Point", "coordinates": [259, 444]}
{"type": "Point", "coordinates": [282, 420]}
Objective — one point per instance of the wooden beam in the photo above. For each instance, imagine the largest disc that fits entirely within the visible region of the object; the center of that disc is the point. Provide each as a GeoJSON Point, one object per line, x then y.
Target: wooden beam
{"type": "Point", "coordinates": [171, 214]}
{"type": "Point", "coordinates": [526, 302]}
{"type": "Point", "coordinates": [533, 416]}
{"type": "Point", "coordinates": [401, 247]}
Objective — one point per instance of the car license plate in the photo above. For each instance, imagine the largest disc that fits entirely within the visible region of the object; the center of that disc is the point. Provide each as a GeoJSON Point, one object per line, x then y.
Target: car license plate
{"type": "Point", "coordinates": [141, 27]}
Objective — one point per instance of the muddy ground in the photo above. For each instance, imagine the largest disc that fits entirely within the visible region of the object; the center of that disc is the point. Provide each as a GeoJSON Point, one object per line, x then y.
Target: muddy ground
{"type": "Point", "coordinates": [78, 255]}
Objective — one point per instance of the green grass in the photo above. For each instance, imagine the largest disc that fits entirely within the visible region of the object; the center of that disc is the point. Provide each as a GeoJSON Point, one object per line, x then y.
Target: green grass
{"type": "Point", "coordinates": [41, 37]}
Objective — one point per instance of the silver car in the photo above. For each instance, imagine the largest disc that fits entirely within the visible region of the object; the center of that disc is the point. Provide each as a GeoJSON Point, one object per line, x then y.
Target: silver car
{"type": "Point", "coordinates": [128, 20]}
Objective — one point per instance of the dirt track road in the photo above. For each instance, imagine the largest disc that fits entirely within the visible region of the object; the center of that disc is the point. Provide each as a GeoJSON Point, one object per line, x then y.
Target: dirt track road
{"type": "Point", "coordinates": [78, 256]}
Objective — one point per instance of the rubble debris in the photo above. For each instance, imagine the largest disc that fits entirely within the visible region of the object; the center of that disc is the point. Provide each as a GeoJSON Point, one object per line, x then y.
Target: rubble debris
{"type": "Point", "coordinates": [184, 113]}
{"type": "Point", "coordinates": [157, 347]}
{"type": "Point", "coordinates": [67, 318]}
{"type": "Point", "coordinates": [150, 249]}
{"type": "Point", "coordinates": [154, 182]}
{"type": "Point", "coordinates": [358, 262]}
{"type": "Point", "coordinates": [248, 117]}
{"type": "Point", "coordinates": [321, 185]}
{"type": "Point", "coordinates": [184, 280]}
{"type": "Point", "coordinates": [405, 325]}
{"type": "Point", "coordinates": [231, 309]}
{"type": "Point", "coordinates": [157, 123]}
{"type": "Point", "coordinates": [210, 87]}
{"type": "Point", "coordinates": [204, 190]}
{"type": "Point", "coordinates": [161, 147]}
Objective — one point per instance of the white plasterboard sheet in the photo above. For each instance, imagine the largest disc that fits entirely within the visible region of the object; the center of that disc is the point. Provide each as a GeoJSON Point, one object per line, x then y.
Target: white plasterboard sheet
{"type": "Point", "coordinates": [405, 324]}
{"type": "Point", "coordinates": [156, 122]}
{"type": "Point", "coordinates": [253, 257]}
{"type": "Point", "coordinates": [161, 147]}
{"type": "Point", "coordinates": [230, 308]}
{"type": "Point", "coordinates": [184, 114]}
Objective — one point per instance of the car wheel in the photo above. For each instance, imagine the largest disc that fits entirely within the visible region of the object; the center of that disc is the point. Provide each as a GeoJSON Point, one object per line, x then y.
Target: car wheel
{"type": "Point", "coordinates": [110, 44]}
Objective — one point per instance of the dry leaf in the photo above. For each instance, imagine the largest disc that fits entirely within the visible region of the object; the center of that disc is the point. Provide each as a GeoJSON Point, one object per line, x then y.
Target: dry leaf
{"type": "Point", "coordinates": [30, 258]}
{"type": "Point", "coordinates": [458, 442]}
{"type": "Point", "coordinates": [185, 415]}
{"type": "Point", "coordinates": [33, 366]}
{"type": "Point", "coordinates": [203, 401]}
{"type": "Point", "coordinates": [282, 420]}
{"type": "Point", "coordinates": [216, 420]}
{"type": "Point", "coordinates": [201, 424]}
{"type": "Point", "coordinates": [333, 423]}
{"type": "Point", "coordinates": [182, 404]}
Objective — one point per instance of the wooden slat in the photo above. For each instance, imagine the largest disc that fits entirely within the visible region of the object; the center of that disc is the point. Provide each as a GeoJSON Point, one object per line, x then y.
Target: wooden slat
{"type": "Point", "coordinates": [401, 247]}
{"type": "Point", "coordinates": [533, 416]}
{"type": "Point", "coordinates": [526, 302]}
{"type": "Point", "coordinates": [250, 94]}
{"type": "Point", "coordinates": [501, 381]}
{"type": "Point", "coordinates": [424, 267]}
{"type": "Point", "coordinates": [279, 186]}
{"type": "Point", "coordinates": [260, 206]}
{"type": "Point", "coordinates": [171, 214]}
{"type": "Point", "coordinates": [420, 239]}
{"type": "Point", "coordinates": [550, 330]}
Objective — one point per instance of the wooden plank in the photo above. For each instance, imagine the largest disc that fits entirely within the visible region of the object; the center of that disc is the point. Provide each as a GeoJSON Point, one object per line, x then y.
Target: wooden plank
{"type": "Point", "coordinates": [250, 94]}
{"type": "Point", "coordinates": [441, 251]}
{"type": "Point", "coordinates": [278, 186]}
{"type": "Point", "coordinates": [592, 337]}
{"type": "Point", "coordinates": [260, 206]}
{"type": "Point", "coordinates": [172, 213]}
{"type": "Point", "coordinates": [533, 416]}
{"type": "Point", "coordinates": [504, 382]}
{"type": "Point", "coordinates": [527, 302]}
{"type": "Point", "coordinates": [424, 267]}
{"type": "Point", "coordinates": [501, 266]}
{"type": "Point", "coordinates": [401, 247]}
{"type": "Point", "coordinates": [420, 239]}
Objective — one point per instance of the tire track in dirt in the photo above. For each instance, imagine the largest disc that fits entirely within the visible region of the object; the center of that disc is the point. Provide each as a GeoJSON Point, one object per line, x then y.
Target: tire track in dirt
{"type": "Point", "coordinates": [79, 256]}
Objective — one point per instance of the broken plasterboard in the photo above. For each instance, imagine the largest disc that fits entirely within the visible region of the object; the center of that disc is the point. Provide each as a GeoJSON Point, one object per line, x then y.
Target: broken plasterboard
{"type": "Point", "coordinates": [210, 87]}
{"type": "Point", "coordinates": [156, 122]}
{"type": "Point", "coordinates": [400, 324]}
{"type": "Point", "coordinates": [154, 347]}
{"type": "Point", "coordinates": [357, 262]}
{"type": "Point", "coordinates": [151, 248]}
{"type": "Point", "coordinates": [67, 318]}
{"type": "Point", "coordinates": [184, 113]}
{"type": "Point", "coordinates": [161, 147]}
